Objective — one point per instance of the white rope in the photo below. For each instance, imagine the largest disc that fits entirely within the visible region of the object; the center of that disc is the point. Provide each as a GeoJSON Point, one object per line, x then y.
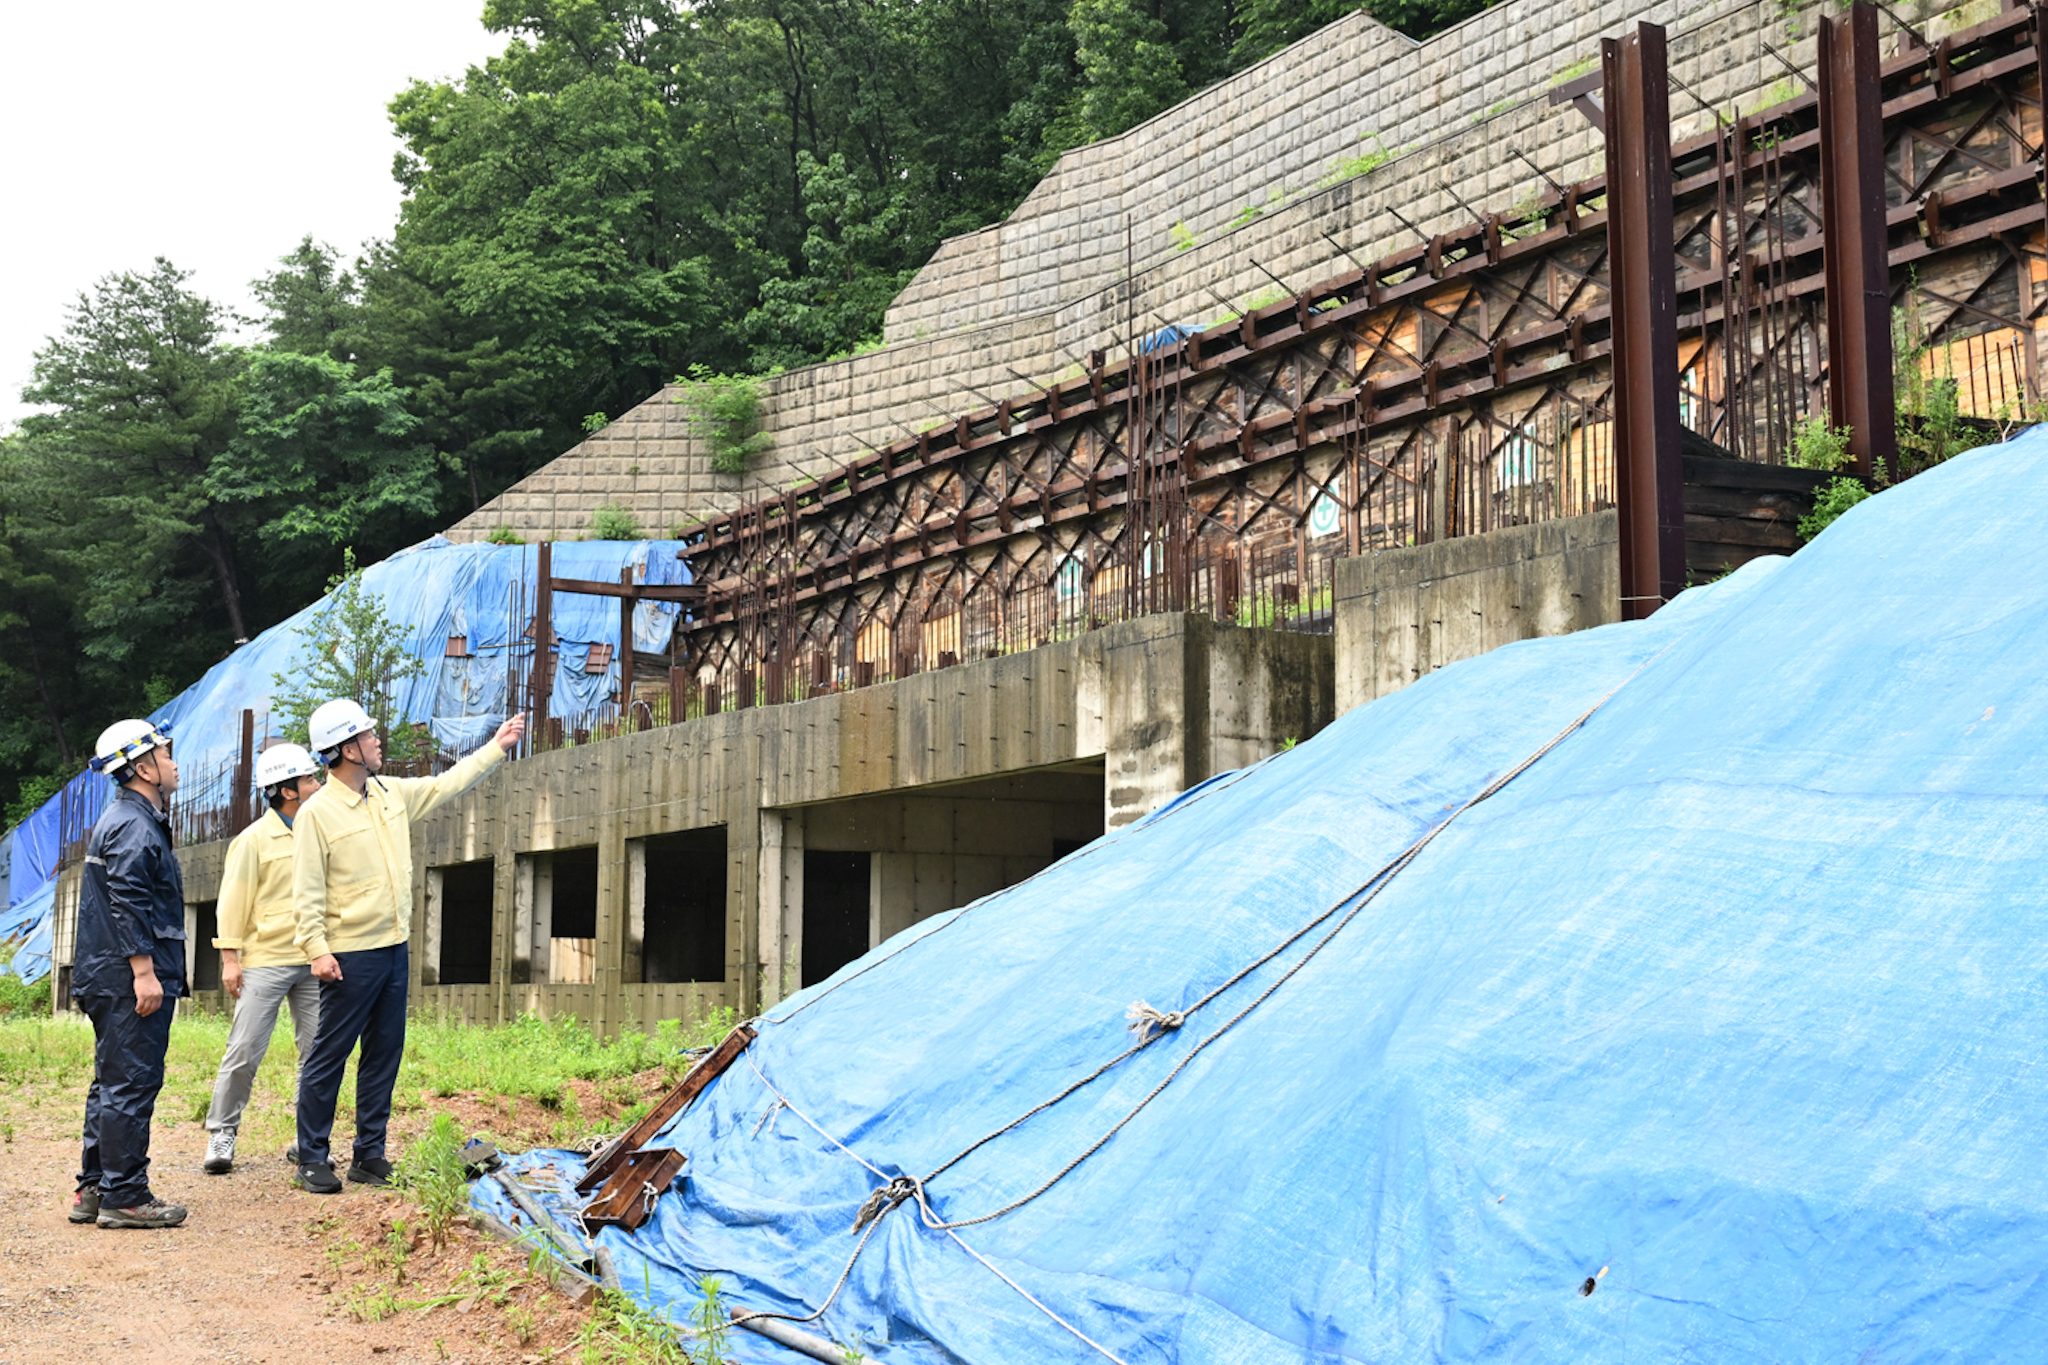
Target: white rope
{"type": "Point", "coordinates": [892, 1193]}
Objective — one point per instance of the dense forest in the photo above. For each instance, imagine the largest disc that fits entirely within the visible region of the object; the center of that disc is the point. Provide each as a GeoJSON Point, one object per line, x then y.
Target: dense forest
{"type": "Point", "coordinates": [633, 188]}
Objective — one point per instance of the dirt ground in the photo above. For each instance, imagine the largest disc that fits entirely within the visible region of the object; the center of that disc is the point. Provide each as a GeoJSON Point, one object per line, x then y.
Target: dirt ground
{"type": "Point", "coordinates": [260, 1271]}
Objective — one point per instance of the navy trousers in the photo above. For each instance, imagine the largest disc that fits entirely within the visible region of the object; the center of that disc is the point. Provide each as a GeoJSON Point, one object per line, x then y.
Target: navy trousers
{"type": "Point", "coordinates": [127, 1072]}
{"type": "Point", "coordinates": [366, 1005]}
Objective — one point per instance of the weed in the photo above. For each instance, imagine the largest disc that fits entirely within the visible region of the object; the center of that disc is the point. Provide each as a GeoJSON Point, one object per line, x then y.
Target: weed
{"type": "Point", "coordinates": [1833, 499]}
{"type": "Point", "coordinates": [595, 422]}
{"type": "Point", "coordinates": [519, 1322]}
{"type": "Point", "coordinates": [1816, 445]}
{"type": "Point", "coordinates": [22, 999]}
{"type": "Point", "coordinates": [432, 1172]}
{"type": "Point", "coordinates": [370, 1305]}
{"type": "Point", "coordinates": [712, 1323]}
{"type": "Point", "coordinates": [726, 410]}
{"type": "Point", "coordinates": [620, 1332]}
{"type": "Point", "coordinates": [613, 522]}
{"type": "Point", "coordinates": [1181, 236]}
{"type": "Point", "coordinates": [504, 535]}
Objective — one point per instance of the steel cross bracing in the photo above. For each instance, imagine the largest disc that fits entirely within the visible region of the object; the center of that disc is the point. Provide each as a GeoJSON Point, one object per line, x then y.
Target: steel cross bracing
{"type": "Point", "coordinates": [1455, 385]}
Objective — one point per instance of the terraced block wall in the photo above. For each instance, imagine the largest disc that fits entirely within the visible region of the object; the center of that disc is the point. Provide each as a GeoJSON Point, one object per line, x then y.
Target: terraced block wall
{"type": "Point", "coordinates": [1255, 175]}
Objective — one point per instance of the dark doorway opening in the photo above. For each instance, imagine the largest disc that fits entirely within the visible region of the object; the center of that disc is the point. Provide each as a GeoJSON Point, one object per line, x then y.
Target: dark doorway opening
{"type": "Point", "coordinates": [682, 935]}
{"type": "Point", "coordinates": [836, 891]}
{"type": "Point", "coordinates": [205, 957]}
{"type": "Point", "coordinates": [574, 905]}
{"type": "Point", "coordinates": [467, 890]}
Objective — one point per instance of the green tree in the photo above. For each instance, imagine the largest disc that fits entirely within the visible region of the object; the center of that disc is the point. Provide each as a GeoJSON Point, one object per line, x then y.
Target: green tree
{"type": "Point", "coordinates": [326, 458]}
{"type": "Point", "coordinates": [351, 648]}
{"type": "Point", "coordinates": [143, 395]}
{"type": "Point", "coordinates": [312, 302]}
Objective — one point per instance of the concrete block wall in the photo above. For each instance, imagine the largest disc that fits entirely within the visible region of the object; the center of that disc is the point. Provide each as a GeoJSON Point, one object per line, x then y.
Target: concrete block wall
{"type": "Point", "coordinates": [1402, 614]}
{"type": "Point", "coordinates": [1035, 294]}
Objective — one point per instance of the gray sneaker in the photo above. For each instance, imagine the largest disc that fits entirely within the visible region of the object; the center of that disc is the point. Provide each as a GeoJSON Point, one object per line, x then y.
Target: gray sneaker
{"type": "Point", "coordinates": [220, 1151]}
{"type": "Point", "coordinates": [85, 1205]}
{"type": "Point", "coordinates": [155, 1214]}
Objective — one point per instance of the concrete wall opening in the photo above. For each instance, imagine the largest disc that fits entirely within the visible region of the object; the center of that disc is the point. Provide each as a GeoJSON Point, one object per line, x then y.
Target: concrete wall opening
{"type": "Point", "coordinates": [854, 872]}
{"type": "Point", "coordinates": [838, 899]}
{"type": "Point", "coordinates": [459, 917]}
{"type": "Point", "coordinates": [676, 906]}
{"type": "Point", "coordinates": [555, 919]}
{"type": "Point", "coordinates": [203, 924]}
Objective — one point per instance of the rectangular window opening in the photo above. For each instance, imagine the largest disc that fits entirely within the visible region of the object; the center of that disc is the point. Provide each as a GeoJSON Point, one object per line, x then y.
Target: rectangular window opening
{"type": "Point", "coordinates": [682, 891]}
{"type": "Point", "coordinates": [836, 898]}
{"type": "Point", "coordinates": [461, 897]}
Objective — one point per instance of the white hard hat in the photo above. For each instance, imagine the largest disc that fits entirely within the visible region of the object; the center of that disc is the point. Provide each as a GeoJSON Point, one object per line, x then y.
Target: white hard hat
{"type": "Point", "coordinates": [124, 741]}
{"type": "Point", "coordinates": [282, 763]}
{"type": "Point", "coordinates": [335, 723]}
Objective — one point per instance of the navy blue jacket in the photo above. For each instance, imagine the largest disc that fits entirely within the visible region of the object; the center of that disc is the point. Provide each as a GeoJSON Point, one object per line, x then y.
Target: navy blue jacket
{"type": "Point", "coordinates": [132, 902]}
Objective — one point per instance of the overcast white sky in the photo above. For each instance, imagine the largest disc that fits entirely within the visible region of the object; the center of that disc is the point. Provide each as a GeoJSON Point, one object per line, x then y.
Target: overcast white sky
{"type": "Point", "coordinates": [216, 132]}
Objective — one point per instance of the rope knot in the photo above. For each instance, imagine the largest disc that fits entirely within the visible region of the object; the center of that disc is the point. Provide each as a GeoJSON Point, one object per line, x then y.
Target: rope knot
{"type": "Point", "coordinates": [887, 1197]}
{"type": "Point", "coordinates": [1149, 1023]}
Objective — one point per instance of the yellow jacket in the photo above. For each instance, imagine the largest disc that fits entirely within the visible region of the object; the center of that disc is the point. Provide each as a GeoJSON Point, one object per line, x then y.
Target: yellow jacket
{"type": "Point", "coordinates": [352, 856]}
{"type": "Point", "coordinates": [255, 907]}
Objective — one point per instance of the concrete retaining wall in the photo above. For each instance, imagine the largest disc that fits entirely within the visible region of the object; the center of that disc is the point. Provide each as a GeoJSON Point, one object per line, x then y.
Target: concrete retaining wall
{"type": "Point", "coordinates": [1404, 613]}
{"type": "Point", "coordinates": [957, 782]}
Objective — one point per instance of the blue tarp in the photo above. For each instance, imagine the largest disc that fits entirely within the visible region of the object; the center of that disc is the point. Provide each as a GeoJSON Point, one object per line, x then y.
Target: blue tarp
{"type": "Point", "coordinates": [436, 590]}
{"type": "Point", "coordinates": [1731, 1005]}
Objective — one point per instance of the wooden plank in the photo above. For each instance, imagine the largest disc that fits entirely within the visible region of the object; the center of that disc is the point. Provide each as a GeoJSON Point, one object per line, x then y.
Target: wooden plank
{"type": "Point", "coordinates": [674, 1102]}
{"type": "Point", "coordinates": [645, 592]}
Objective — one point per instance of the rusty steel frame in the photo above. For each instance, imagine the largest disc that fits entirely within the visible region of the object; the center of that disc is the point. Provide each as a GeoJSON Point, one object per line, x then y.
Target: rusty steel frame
{"type": "Point", "coordinates": [1408, 379]}
{"type": "Point", "coordinates": [1648, 477]}
{"type": "Point", "coordinates": [1852, 168]}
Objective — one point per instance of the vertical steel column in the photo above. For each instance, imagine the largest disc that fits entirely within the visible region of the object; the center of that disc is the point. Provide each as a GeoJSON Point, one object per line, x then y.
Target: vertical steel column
{"type": "Point", "coordinates": [543, 678]}
{"type": "Point", "coordinates": [626, 604]}
{"type": "Point", "coordinates": [243, 806]}
{"type": "Point", "coordinates": [1642, 265]}
{"type": "Point", "coordinates": [1854, 244]}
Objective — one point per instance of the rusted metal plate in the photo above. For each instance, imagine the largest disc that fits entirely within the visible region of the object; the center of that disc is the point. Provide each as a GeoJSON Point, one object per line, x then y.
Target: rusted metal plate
{"type": "Point", "coordinates": [629, 1193]}
{"type": "Point", "coordinates": [674, 1102]}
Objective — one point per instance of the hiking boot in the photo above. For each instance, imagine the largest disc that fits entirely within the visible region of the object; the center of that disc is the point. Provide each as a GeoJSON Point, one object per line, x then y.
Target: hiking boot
{"type": "Point", "coordinates": [220, 1151]}
{"type": "Point", "coordinates": [317, 1177]}
{"type": "Point", "coordinates": [155, 1214]}
{"type": "Point", "coordinates": [370, 1170]}
{"type": "Point", "coordinates": [85, 1205]}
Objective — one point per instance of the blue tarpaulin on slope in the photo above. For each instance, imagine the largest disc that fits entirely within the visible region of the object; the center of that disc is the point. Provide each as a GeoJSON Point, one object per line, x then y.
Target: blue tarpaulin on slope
{"type": "Point", "coordinates": [1732, 1004]}
{"type": "Point", "coordinates": [435, 590]}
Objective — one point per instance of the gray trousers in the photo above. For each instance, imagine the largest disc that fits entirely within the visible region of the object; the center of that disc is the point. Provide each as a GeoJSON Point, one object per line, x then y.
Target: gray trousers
{"type": "Point", "coordinates": [263, 990]}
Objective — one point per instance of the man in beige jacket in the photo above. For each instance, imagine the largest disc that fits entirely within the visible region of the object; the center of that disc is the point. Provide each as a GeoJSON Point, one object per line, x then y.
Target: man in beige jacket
{"type": "Point", "coordinates": [352, 898]}
{"type": "Point", "coordinates": [260, 965]}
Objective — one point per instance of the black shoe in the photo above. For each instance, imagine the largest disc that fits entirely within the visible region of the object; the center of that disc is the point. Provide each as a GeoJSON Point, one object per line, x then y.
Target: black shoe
{"type": "Point", "coordinates": [155, 1214]}
{"type": "Point", "coordinates": [291, 1155]}
{"type": "Point", "coordinates": [85, 1205]}
{"type": "Point", "coordinates": [317, 1177]}
{"type": "Point", "coordinates": [370, 1170]}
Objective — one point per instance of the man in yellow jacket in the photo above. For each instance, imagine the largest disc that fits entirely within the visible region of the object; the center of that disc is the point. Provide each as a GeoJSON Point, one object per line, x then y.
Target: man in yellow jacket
{"type": "Point", "coordinates": [260, 964]}
{"type": "Point", "coordinates": [352, 898]}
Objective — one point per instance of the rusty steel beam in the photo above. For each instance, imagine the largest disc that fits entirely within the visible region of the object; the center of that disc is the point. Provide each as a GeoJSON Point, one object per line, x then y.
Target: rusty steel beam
{"type": "Point", "coordinates": [1647, 470]}
{"type": "Point", "coordinates": [1854, 256]}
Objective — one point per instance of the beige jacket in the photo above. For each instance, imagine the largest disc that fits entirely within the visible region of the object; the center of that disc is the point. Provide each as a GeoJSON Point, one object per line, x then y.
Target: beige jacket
{"type": "Point", "coordinates": [255, 906]}
{"type": "Point", "coordinates": [352, 862]}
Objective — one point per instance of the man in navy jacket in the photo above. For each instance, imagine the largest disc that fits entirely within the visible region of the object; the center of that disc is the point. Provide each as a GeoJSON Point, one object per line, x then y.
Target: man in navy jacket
{"type": "Point", "coordinates": [128, 968]}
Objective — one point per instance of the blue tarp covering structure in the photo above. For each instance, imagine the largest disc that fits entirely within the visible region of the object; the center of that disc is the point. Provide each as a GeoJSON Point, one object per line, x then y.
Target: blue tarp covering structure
{"type": "Point", "coordinates": [1729, 1009]}
{"type": "Point", "coordinates": [436, 590]}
